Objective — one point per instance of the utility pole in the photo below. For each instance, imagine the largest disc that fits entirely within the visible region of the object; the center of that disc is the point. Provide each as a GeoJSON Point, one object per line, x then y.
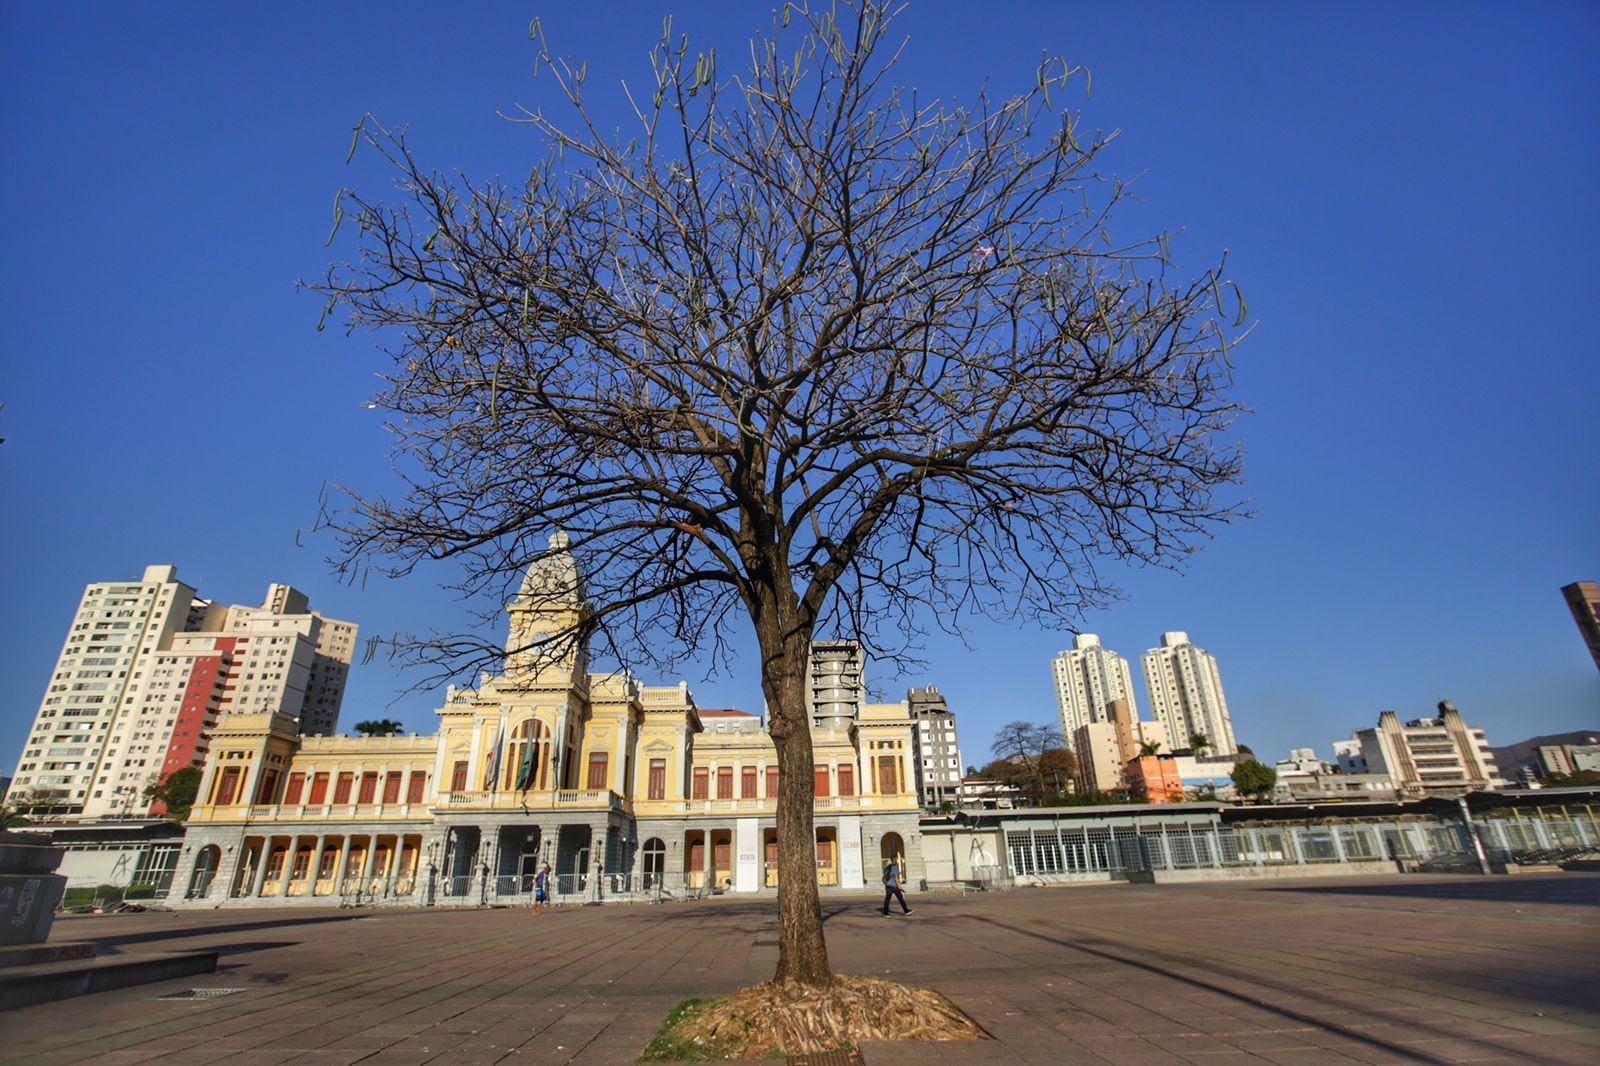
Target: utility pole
{"type": "Point", "coordinates": [1472, 834]}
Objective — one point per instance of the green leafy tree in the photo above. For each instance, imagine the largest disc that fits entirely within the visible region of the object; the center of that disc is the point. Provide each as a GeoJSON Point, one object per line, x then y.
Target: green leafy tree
{"type": "Point", "coordinates": [798, 351]}
{"type": "Point", "coordinates": [383, 727]}
{"type": "Point", "coordinates": [177, 792]}
{"type": "Point", "coordinates": [1150, 747]}
{"type": "Point", "coordinates": [1199, 743]}
{"type": "Point", "coordinates": [1254, 778]}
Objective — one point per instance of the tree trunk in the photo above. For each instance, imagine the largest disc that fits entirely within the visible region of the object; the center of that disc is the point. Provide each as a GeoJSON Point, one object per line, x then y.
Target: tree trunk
{"type": "Point", "coordinates": [802, 950]}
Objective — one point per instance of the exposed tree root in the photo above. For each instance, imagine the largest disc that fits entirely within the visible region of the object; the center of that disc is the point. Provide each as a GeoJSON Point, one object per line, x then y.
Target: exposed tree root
{"type": "Point", "coordinates": [797, 1019]}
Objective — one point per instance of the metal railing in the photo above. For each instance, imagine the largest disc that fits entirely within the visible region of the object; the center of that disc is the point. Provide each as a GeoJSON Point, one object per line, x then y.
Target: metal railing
{"type": "Point", "coordinates": [1040, 854]}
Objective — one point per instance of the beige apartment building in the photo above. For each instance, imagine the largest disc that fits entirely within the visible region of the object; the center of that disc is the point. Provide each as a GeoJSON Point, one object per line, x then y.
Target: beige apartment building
{"type": "Point", "coordinates": [1429, 756]}
{"type": "Point", "coordinates": [146, 672]}
{"type": "Point", "coordinates": [1105, 748]}
{"type": "Point", "coordinates": [1186, 695]}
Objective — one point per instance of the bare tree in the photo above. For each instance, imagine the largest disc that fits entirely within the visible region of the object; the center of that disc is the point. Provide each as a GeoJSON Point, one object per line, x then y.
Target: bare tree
{"type": "Point", "coordinates": [1026, 744]}
{"type": "Point", "coordinates": [802, 351]}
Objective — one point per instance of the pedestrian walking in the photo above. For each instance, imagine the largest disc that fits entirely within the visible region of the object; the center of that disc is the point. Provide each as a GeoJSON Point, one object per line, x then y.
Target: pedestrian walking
{"type": "Point", "coordinates": [891, 888]}
{"type": "Point", "coordinates": [541, 888]}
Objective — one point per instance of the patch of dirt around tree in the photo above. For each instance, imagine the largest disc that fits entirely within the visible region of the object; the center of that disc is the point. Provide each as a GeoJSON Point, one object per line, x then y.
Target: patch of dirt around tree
{"type": "Point", "coordinates": [771, 1019]}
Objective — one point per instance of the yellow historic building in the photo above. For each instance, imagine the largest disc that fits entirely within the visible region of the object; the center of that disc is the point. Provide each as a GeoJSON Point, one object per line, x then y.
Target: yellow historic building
{"type": "Point", "coordinates": [628, 791]}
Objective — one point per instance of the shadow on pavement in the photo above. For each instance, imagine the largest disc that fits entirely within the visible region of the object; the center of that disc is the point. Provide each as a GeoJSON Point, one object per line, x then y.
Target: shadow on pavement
{"type": "Point", "coordinates": [189, 931]}
{"type": "Point", "coordinates": [1258, 1002]}
{"type": "Point", "coordinates": [1556, 888]}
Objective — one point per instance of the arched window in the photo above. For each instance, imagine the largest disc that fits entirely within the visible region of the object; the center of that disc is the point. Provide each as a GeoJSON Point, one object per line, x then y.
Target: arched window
{"type": "Point", "coordinates": [205, 868]}
{"type": "Point", "coordinates": [528, 760]}
{"type": "Point", "coordinates": [655, 861]}
{"type": "Point", "coordinates": [893, 849]}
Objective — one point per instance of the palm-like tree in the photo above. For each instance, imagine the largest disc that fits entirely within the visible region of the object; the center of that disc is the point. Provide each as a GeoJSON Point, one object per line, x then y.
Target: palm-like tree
{"type": "Point", "coordinates": [1199, 743]}
{"type": "Point", "coordinates": [383, 727]}
{"type": "Point", "coordinates": [1150, 747]}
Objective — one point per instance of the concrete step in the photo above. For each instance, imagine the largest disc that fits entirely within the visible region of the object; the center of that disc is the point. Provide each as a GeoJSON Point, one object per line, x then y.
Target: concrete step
{"type": "Point", "coordinates": [45, 982]}
{"type": "Point", "coordinates": [32, 954]}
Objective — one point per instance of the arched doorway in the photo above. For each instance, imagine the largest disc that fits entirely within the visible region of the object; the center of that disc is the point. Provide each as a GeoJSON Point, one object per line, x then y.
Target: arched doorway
{"type": "Point", "coordinates": [892, 849]}
{"type": "Point", "coordinates": [528, 858]}
{"type": "Point", "coordinates": [655, 862]}
{"type": "Point", "coordinates": [205, 868]}
{"type": "Point", "coordinates": [827, 856]}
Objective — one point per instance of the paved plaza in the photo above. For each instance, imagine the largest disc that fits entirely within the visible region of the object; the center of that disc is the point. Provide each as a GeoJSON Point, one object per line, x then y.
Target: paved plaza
{"type": "Point", "coordinates": [1393, 969]}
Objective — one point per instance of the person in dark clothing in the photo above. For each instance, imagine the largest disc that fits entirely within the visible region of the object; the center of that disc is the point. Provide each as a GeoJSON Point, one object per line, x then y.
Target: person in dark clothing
{"type": "Point", "coordinates": [891, 888]}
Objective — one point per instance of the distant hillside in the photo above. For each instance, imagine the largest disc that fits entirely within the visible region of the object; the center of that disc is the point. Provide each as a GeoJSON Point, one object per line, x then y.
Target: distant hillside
{"type": "Point", "coordinates": [1512, 756]}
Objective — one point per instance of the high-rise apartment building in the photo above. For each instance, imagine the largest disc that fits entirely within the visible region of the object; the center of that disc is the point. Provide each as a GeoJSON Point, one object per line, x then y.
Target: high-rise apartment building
{"type": "Point", "coordinates": [834, 683]}
{"type": "Point", "coordinates": [936, 755]}
{"type": "Point", "coordinates": [1186, 694]}
{"type": "Point", "coordinates": [1583, 598]}
{"type": "Point", "coordinates": [148, 669]}
{"type": "Point", "coordinates": [1429, 756]}
{"type": "Point", "coordinates": [1087, 679]}
{"type": "Point", "coordinates": [116, 625]}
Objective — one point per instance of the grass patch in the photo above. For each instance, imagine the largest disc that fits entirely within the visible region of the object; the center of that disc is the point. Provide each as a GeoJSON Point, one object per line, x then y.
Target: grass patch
{"type": "Point", "coordinates": [676, 1040]}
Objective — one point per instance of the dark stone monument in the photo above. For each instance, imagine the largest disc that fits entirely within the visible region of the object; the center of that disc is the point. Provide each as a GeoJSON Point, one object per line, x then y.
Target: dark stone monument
{"type": "Point", "coordinates": [32, 971]}
{"type": "Point", "coordinates": [30, 889]}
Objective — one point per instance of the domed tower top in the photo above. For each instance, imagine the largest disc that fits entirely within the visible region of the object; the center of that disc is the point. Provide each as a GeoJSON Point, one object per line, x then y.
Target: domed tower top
{"type": "Point", "coordinates": [544, 615]}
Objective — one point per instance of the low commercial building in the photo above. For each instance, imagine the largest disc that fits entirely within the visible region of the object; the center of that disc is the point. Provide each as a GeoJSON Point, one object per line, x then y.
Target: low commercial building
{"type": "Point", "coordinates": [1333, 787]}
{"type": "Point", "coordinates": [1155, 778]}
{"type": "Point", "coordinates": [1303, 776]}
{"type": "Point", "coordinates": [139, 857]}
{"type": "Point", "coordinates": [1567, 759]}
{"type": "Point", "coordinates": [1207, 777]}
{"type": "Point", "coordinates": [1211, 841]}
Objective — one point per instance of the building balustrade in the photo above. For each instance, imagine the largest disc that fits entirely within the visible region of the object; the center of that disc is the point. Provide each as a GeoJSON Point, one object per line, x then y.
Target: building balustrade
{"type": "Point", "coordinates": [768, 805]}
{"type": "Point", "coordinates": [515, 799]}
{"type": "Point", "coordinates": [298, 811]}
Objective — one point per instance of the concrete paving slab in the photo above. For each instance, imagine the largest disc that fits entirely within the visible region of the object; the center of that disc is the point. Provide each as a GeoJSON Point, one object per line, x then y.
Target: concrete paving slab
{"type": "Point", "coordinates": [1378, 970]}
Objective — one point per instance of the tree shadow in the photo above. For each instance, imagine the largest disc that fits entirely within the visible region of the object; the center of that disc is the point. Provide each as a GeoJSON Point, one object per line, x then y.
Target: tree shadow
{"type": "Point", "coordinates": [1253, 1000]}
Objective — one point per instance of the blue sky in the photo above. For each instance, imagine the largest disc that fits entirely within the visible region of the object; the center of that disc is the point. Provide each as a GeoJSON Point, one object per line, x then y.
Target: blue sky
{"type": "Point", "coordinates": [1407, 193]}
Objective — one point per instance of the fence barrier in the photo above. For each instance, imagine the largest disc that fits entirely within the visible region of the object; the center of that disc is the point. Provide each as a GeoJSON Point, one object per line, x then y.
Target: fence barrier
{"type": "Point", "coordinates": [1541, 837]}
